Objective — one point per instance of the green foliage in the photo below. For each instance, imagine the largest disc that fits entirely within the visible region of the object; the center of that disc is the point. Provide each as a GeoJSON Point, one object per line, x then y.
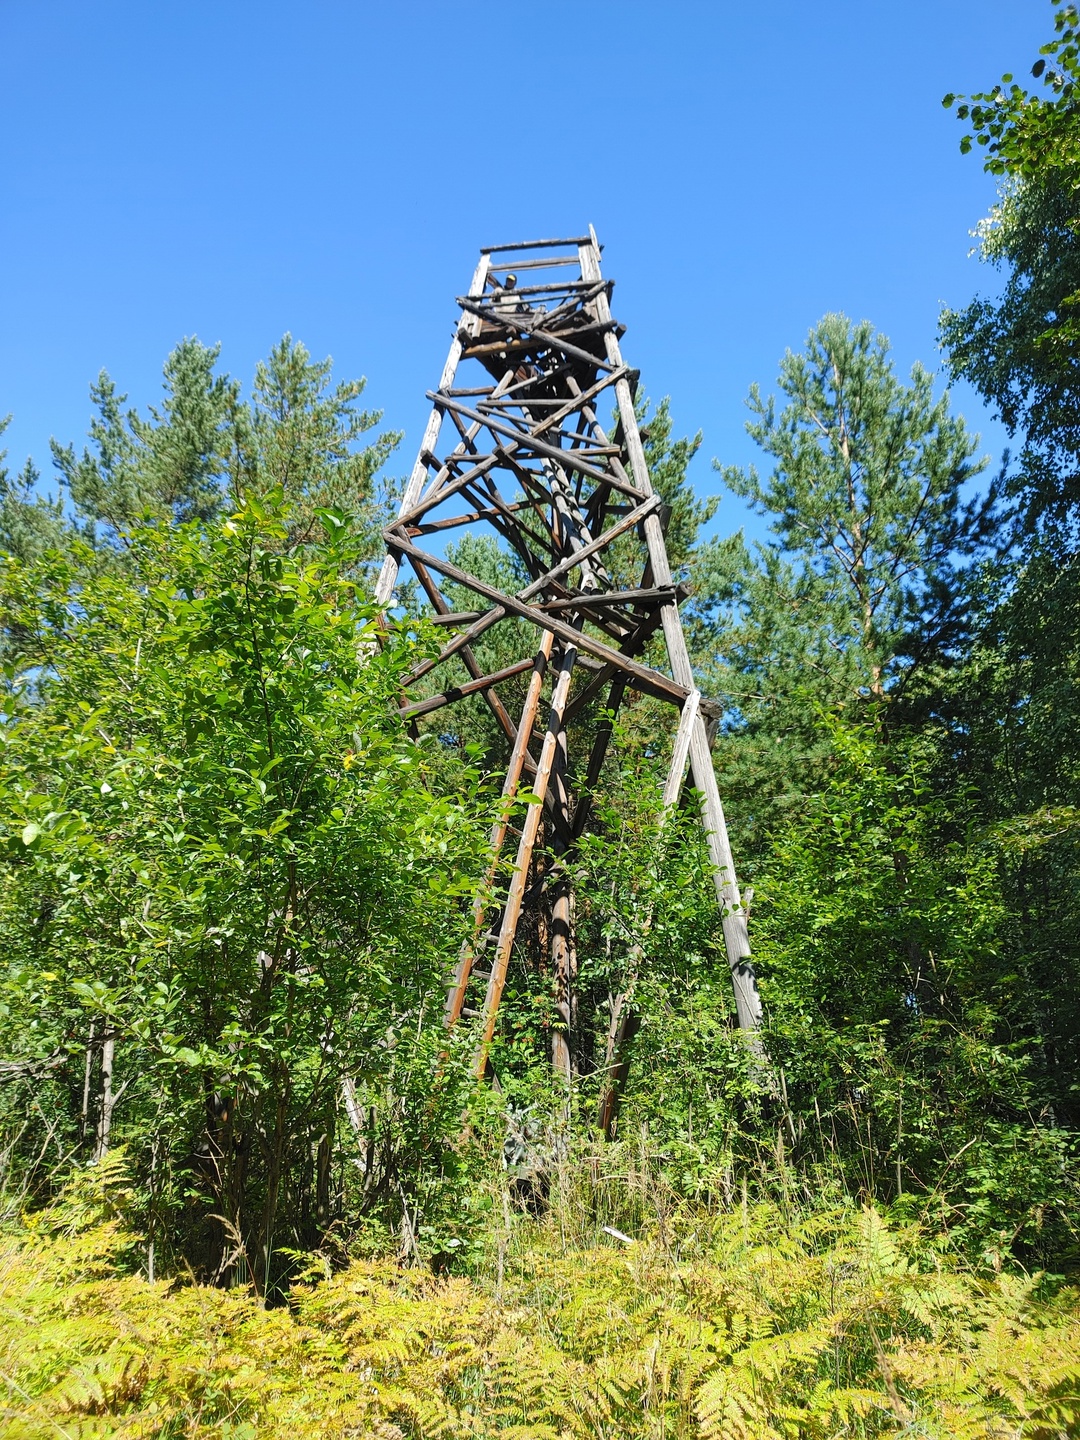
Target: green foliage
{"type": "Point", "coordinates": [29, 523]}
{"type": "Point", "coordinates": [232, 888]}
{"type": "Point", "coordinates": [215, 841]}
{"type": "Point", "coordinates": [746, 1324]}
{"type": "Point", "coordinates": [866, 506]}
{"type": "Point", "coordinates": [1019, 349]}
{"type": "Point", "coordinates": [1011, 712]}
{"type": "Point", "coordinates": [860, 591]}
{"type": "Point", "coordinates": [911, 1048]}
{"type": "Point", "coordinates": [1027, 134]}
{"type": "Point", "coordinates": [205, 449]}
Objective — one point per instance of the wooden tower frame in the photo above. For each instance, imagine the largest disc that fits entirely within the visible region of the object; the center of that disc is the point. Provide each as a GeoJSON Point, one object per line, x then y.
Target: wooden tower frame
{"type": "Point", "coordinates": [528, 457]}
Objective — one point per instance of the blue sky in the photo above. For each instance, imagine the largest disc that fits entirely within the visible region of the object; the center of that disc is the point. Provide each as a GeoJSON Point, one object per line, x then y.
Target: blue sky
{"type": "Point", "coordinates": [236, 170]}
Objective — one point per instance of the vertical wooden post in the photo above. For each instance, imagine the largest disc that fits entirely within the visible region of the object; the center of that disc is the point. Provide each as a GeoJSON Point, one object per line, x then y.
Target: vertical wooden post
{"type": "Point", "coordinates": [512, 912]}
{"type": "Point", "coordinates": [456, 998]}
{"type": "Point", "coordinates": [561, 938]}
{"type": "Point", "coordinates": [561, 951]}
{"type": "Point", "coordinates": [625, 1020]}
{"type": "Point", "coordinates": [733, 920]}
{"type": "Point", "coordinates": [388, 575]}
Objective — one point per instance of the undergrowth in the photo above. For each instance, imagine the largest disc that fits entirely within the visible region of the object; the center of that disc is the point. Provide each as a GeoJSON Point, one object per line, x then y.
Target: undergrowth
{"type": "Point", "coordinates": [748, 1322]}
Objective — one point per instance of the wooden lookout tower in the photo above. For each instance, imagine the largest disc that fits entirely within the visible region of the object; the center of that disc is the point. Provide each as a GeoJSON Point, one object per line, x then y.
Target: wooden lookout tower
{"type": "Point", "coordinates": [516, 445]}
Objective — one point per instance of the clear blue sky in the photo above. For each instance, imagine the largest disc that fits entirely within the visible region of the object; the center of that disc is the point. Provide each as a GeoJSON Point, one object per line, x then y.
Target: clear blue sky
{"type": "Point", "coordinates": [234, 170]}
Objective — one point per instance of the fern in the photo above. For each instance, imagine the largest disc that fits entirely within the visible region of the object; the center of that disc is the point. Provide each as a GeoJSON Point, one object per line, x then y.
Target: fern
{"type": "Point", "coordinates": [837, 1325]}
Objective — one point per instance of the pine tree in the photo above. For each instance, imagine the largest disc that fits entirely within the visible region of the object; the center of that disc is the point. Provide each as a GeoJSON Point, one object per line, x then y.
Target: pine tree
{"type": "Point", "coordinates": [29, 521]}
{"type": "Point", "coordinates": [859, 589]}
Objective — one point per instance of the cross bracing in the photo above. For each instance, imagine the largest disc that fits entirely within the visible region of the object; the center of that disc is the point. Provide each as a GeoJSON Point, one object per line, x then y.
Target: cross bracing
{"type": "Point", "coordinates": [519, 444]}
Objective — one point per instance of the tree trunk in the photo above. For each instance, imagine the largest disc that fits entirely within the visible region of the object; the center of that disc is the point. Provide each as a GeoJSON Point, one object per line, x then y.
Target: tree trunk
{"type": "Point", "coordinates": [108, 1097]}
{"type": "Point", "coordinates": [84, 1121]}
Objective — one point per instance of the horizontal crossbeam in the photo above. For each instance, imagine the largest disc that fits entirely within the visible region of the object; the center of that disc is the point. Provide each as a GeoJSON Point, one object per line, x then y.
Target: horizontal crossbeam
{"type": "Point", "coordinates": [643, 677]}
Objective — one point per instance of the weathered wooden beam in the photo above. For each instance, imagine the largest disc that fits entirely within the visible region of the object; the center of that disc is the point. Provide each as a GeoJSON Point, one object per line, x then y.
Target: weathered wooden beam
{"type": "Point", "coordinates": [547, 262]}
{"type": "Point", "coordinates": [653, 682]}
{"type": "Point", "coordinates": [632, 645]}
{"type": "Point", "coordinates": [632, 518]}
{"type": "Point", "coordinates": [475, 630]}
{"type": "Point", "coordinates": [557, 287]}
{"type": "Point", "coordinates": [384, 586]}
{"type": "Point", "coordinates": [469, 518]}
{"type": "Point", "coordinates": [569, 407]}
{"type": "Point", "coordinates": [532, 245]}
{"type": "Point", "coordinates": [658, 595]}
{"type": "Point", "coordinates": [532, 442]}
{"type": "Point", "coordinates": [457, 617]}
{"type": "Point", "coordinates": [550, 340]}
{"type": "Point", "coordinates": [519, 880]}
{"type": "Point", "coordinates": [628, 521]}
{"type": "Point", "coordinates": [467, 687]}
{"type": "Point", "coordinates": [733, 917]}
{"type": "Point", "coordinates": [599, 599]}
{"type": "Point", "coordinates": [445, 491]}
{"type": "Point", "coordinates": [456, 998]}
{"type": "Point", "coordinates": [495, 705]}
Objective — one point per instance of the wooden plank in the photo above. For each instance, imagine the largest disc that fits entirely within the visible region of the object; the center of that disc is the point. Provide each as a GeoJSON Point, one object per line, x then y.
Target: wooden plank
{"type": "Point", "coordinates": [520, 347]}
{"type": "Point", "coordinates": [504, 403]}
{"type": "Point", "coordinates": [501, 455]}
{"type": "Point", "coordinates": [469, 518]}
{"type": "Point", "coordinates": [733, 918]}
{"type": "Point", "coordinates": [384, 586]}
{"type": "Point", "coordinates": [577, 292]}
{"type": "Point", "coordinates": [644, 678]}
{"type": "Point", "coordinates": [530, 382]}
{"type": "Point", "coordinates": [494, 704]}
{"type": "Point", "coordinates": [460, 453]}
{"type": "Point", "coordinates": [569, 407]}
{"type": "Point", "coordinates": [485, 622]}
{"type": "Point", "coordinates": [531, 245]}
{"type": "Point", "coordinates": [604, 598]}
{"type": "Point", "coordinates": [680, 752]}
{"type": "Point", "coordinates": [557, 287]}
{"type": "Point", "coordinates": [590, 414]}
{"type": "Point", "coordinates": [503, 348]}
{"type": "Point", "coordinates": [632, 645]}
{"type": "Point", "coordinates": [510, 523]}
{"type": "Point", "coordinates": [519, 880]}
{"type": "Point", "coordinates": [562, 967]}
{"type": "Point", "coordinates": [458, 692]}
{"type": "Point", "coordinates": [456, 999]}
{"type": "Point", "coordinates": [431, 500]}
{"type": "Point", "coordinates": [528, 439]}
{"type": "Point", "coordinates": [634, 517]}
{"type": "Point", "coordinates": [457, 617]}
{"type": "Point", "coordinates": [543, 262]}
{"type": "Point", "coordinates": [551, 339]}
{"type": "Point", "coordinates": [494, 315]}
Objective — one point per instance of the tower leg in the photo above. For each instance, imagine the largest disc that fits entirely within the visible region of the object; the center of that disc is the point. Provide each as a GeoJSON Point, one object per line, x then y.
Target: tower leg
{"type": "Point", "coordinates": [519, 880]}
